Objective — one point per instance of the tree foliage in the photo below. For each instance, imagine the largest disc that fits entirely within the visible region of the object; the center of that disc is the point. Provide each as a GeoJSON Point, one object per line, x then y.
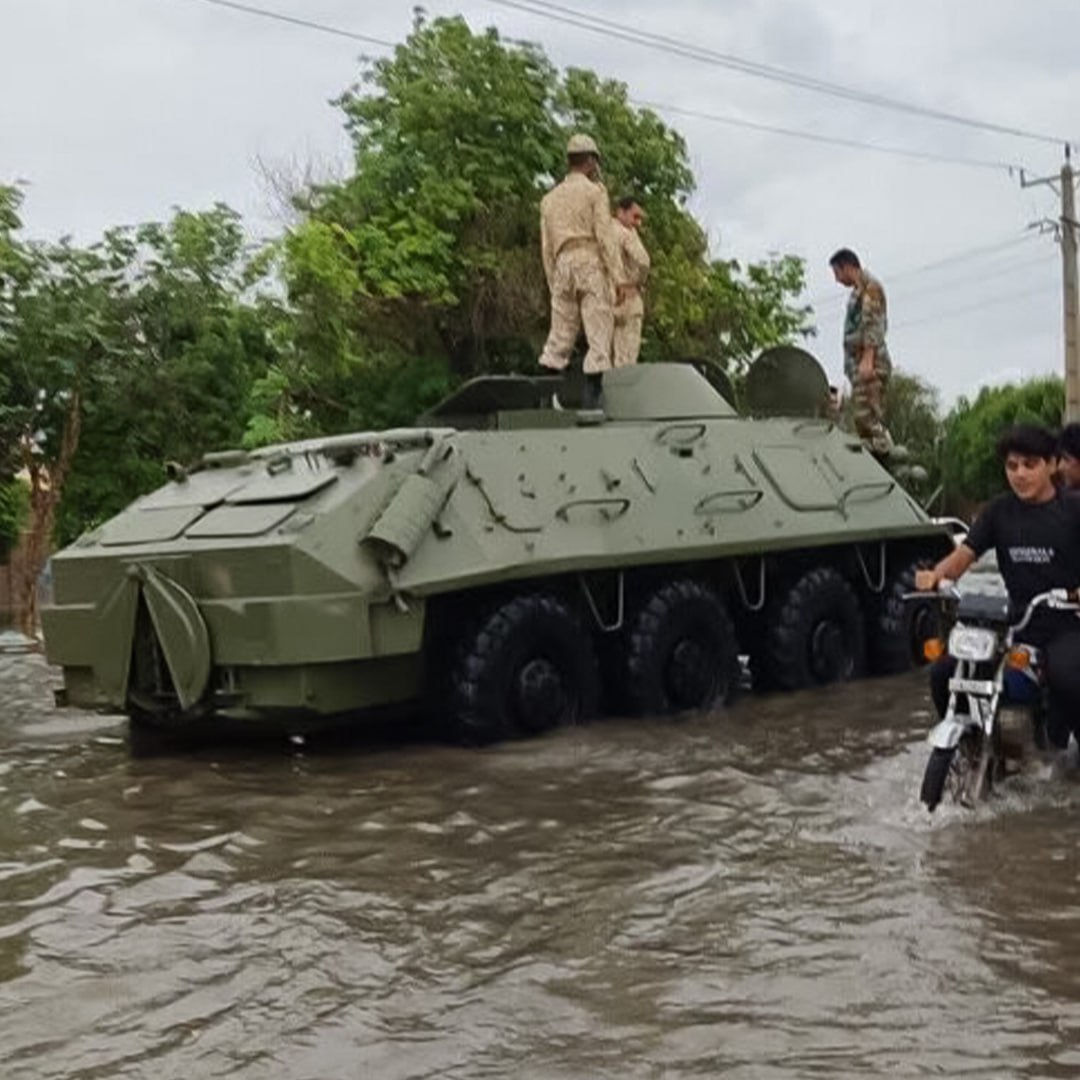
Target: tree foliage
{"type": "Point", "coordinates": [427, 256]}
{"type": "Point", "coordinates": [418, 268]}
{"type": "Point", "coordinates": [118, 356]}
{"type": "Point", "coordinates": [913, 417]}
{"type": "Point", "coordinates": [195, 340]}
{"type": "Point", "coordinates": [14, 510]}
{"type": "Point", "coordinates": [972, 472]}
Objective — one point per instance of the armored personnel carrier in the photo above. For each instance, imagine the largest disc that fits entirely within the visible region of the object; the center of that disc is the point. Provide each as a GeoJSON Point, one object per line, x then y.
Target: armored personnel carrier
{"type": "Point", "coordinates": [507, 565]}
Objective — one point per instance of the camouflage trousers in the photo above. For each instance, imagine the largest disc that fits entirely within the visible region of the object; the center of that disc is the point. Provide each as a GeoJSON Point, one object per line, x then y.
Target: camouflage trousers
{"type": "Point", "coordinates": [581, 296]}
{"type": "Point", "coordinates": [626, 343]}
{"type": "Point", "coordinates": [868, 404]}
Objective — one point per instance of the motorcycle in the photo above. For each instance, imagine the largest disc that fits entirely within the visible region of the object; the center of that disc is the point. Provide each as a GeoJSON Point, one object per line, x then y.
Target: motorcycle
{"type": "Point", "coordinates": [996, 711]}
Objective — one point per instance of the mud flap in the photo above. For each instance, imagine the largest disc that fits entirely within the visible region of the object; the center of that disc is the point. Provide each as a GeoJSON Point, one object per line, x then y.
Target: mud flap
{"type": "Point", "coordinates": [947, 733]}
{"type": "Point", "coordinates": [115, 633]}
{"type": "Point", "coordinates": [181, 630]}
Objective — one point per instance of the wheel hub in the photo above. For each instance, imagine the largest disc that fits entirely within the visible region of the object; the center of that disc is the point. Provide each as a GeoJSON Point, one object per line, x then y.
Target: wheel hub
{"type": "Point", "coordinates": [830, 658]}
{"type": "Point", "coordinates": [691, 675]}
{"type": "Point", "coordinates": [541, 700]}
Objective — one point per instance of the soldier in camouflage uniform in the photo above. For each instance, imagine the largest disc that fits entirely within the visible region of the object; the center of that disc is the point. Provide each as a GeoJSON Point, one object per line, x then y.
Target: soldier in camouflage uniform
{"type": "Point", "coordinates": [866, 357]}
{"type": "Point", "coordinates": [630, 311]}
{"type": "Point", "coordinates": [582, 265]}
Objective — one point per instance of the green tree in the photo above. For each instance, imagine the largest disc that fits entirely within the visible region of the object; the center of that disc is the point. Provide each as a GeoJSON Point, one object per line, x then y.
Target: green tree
{"type": "Point", "coordinates": [59, 340]}
{"type": "Point", "coordinates": [14, 510]}
{"type": "Point", "coordinates": [197, 337]}
{"type": "Point", "coordinates": [913, 417]}
{"type": "Point", "coordinates": [972, 472]}
{"type": "Point", "coordinates": [427, 256]}
{"type": "Point", "coordinates": [115, 357]}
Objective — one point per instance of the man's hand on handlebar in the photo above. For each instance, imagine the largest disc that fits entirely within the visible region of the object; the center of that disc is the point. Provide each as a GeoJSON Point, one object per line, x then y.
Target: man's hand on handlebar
{"type": "Point", "coordinates": [926, 580]}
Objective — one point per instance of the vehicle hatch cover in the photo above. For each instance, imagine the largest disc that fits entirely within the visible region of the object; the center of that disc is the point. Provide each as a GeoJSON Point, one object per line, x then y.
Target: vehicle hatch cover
{"type": "Point", "coordinates": [139, 526]}
{"type": "Point", "coordinates": [797, 478]}
{"type": "Point", "coordinates": [239, 520]}
{"type": "Point", "coordinates": [284, 487]}
{"type": "Point", "coordinates": [206, 488]}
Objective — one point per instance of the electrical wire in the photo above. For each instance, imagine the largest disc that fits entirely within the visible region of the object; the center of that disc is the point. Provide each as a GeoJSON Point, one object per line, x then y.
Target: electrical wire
{"type": "Point", "coordinates": [308, 24]}
{"type": "Point", "coordinates": [732, 121]}
{"type": "Point", "coordinates": [831, 140]}
{"type": "Point", "coordinates": [965, 255]}
{"type": "Point", "coordinates": [598, 25]}
{"type": "Point", "coordinates": [992, 301]}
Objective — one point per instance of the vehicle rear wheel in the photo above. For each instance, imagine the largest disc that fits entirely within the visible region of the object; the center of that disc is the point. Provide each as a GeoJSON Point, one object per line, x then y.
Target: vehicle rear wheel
{"type": "Point", "coordinates": [814, 633]}
{"type": "Point", "coordinates": [900, 628]}
{"type": "Point", "coordinates": [679, 651]}
{"type": "Point", "coordinates": [526, 666]}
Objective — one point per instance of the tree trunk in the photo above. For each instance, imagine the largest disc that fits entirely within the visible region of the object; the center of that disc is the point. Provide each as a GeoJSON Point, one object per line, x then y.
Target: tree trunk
{"type": "Point", "coordinates": [46, 486]}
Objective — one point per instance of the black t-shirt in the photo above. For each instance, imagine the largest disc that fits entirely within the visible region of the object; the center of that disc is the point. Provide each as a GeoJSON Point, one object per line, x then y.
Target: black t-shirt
{"type": "Point", "coordinates": [1038, 548]}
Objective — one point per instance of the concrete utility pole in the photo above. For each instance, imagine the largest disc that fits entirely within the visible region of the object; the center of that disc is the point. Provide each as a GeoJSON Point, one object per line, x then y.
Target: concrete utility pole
{"type": "Point", "coordinates": [1066, 230]}
{"type": "Point", "coordinates": [1068, 267]}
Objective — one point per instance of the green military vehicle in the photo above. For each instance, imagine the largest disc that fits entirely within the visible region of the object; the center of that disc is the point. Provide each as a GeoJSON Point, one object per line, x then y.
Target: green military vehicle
{"type": "Point", "coordinates": [506, 566]}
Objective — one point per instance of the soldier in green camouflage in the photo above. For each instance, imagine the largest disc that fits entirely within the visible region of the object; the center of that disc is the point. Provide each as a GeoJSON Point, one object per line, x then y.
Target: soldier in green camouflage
{"type": "Point", "coordinates": [866, 356]}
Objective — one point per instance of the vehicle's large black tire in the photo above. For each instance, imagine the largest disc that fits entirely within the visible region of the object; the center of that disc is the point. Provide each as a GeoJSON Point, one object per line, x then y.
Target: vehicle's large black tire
{"type": "Point", "coordinates": [525, 666]}
{"type": "Point", "coordinates": [900, 627]}
{"type": "Point", "coordinates": [679, 652]}
{"type": "Point", "coordinates": [814, 633]}
{"type": "Point", "coordinates": [936, 777]}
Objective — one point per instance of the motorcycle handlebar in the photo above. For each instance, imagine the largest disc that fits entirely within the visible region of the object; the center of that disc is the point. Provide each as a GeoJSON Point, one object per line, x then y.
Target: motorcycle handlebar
{"type": "Point", "coordinates": [1057, 599]}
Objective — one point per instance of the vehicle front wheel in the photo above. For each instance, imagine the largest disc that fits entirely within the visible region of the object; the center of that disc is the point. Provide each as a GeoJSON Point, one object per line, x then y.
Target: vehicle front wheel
{"type": "Point", "coordinates": [525, 666]}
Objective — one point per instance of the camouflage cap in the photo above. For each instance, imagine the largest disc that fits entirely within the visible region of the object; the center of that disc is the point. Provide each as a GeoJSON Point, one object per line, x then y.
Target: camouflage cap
{"type": "Point", "coordinates": [582, 144]}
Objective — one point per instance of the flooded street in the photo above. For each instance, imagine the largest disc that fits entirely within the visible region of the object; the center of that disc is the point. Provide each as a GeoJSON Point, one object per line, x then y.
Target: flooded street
{"type": "Point", "coordinates": [755, 894]}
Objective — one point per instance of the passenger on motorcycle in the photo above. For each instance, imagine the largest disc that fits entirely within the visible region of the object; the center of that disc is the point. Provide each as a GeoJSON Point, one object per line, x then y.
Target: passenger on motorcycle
{"type": "Point", "coordinates": [1069, 456]}
{"type": "Point", "coordinates": [1035, 530]}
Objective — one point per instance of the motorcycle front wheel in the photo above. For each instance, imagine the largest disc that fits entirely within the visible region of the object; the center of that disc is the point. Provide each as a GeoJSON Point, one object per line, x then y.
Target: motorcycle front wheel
{"type": "Point", "coordinates": [936, 777]}
{"type": "Point", "coordinates": [963, 770]}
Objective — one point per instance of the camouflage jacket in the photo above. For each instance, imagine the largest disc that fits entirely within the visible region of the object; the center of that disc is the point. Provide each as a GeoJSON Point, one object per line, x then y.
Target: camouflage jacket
{"type": "Point", "coordinates": [866, 321]}
{"type": "Point", "coordinates": [576, 212]}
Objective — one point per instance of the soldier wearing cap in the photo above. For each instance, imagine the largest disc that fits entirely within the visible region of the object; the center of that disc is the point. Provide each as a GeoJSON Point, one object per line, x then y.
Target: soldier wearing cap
{"type": "Point", "coordinates": [582, 264]}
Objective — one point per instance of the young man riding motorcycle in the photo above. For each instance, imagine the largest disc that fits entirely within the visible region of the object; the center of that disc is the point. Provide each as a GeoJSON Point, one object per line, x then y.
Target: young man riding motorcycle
{"type": "Point", "coordinates": [1035, 530]}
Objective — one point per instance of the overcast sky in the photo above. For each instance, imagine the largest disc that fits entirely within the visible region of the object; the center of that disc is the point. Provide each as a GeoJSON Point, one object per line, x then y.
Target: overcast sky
{"type": "Point", "coordinates": [115, 111]}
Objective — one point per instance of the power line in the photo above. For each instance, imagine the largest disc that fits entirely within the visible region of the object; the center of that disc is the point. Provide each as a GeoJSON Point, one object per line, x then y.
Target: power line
{"type": "Point", "coordinates": [277, 16]}
{"type": "Point", "coordinates": [1046, 260]}
{"type": "Point", "coordinates": [594, 23]}
{"type": "Point", "coordinates": [832, 140]}
{"type": "Point", "coordinates": [965, 255]}
{"type": "Point", "coordinates": [969, 253]}
{"type": "Point", "coordinates": [992, 301]}
{"type": "Point", "coordinates": [750, 125]}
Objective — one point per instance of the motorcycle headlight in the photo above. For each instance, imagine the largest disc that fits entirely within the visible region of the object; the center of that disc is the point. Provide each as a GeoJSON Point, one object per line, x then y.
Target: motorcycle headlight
{"type": "Point", "coordinates": [972, 643]}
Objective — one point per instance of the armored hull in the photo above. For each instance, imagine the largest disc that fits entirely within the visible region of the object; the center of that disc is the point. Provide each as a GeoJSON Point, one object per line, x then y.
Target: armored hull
{"type": "Point", "coordinates": [508, 566]}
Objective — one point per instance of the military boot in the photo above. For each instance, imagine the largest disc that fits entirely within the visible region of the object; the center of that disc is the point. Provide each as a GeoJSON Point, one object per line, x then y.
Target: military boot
{"type": "Point", "coordinates": [593, 398]}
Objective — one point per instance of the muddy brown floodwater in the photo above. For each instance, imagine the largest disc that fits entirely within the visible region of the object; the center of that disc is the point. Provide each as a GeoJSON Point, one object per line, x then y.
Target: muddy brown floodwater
{"type": "Point", "coordinates": [754, 894]}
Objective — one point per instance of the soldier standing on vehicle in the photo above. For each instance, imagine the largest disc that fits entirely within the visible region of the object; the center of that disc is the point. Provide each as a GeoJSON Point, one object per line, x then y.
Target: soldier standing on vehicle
{"type": "Point", "coordinates": [866, 357]}
{"type": "Point", "coordinates": [582, 266]}
{"type": "Point", "coordinates": [630, 311]}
